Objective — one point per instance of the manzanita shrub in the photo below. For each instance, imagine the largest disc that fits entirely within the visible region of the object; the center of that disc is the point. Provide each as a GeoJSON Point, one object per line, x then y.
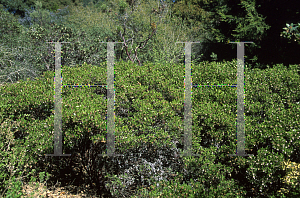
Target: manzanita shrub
{"type": "Point", "coordinates": [149, 129]}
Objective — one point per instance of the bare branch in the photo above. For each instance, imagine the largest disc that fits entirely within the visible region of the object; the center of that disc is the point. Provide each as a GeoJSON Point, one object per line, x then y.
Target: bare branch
{"type": "Point", "coordinates": [8, 76]}
{"type": "Point", "coordinates": [139, 47]}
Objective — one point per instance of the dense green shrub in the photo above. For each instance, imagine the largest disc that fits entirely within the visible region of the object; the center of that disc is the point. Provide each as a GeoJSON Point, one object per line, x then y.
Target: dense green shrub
{"type": "Point", "coordinates": [206, 179]}
{"type": "Point", "coordinates": [81, 46]}
{"type": "Point", "coordinates": [149, 120]}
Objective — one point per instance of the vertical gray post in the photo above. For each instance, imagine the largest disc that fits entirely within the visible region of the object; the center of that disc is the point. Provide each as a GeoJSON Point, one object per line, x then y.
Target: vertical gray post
{"type": "Point", "coordinates": [110, 100]}
{"type": "Point", "coordinates": [57, 103]}
{"type": "Point", "coordinates": [240, 149]}
{"type": "Point", "coordinates": [110, 144]}
{"type": "Point", "coordinates": [188, 101]}
{"type": "Point", "coordinates": [240, 101]}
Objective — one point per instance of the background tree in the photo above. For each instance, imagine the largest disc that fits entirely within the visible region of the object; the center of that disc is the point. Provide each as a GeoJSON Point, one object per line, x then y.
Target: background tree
{"type": "Point", "coordinates": [19, 6]}
{"type": "Point", "coordinates": [275, 49]}
{"type": "Point", "coordinates": [9, 24]}
{"type": "Point", "coordinates": [258, 21]}
{"type": "Point", "coordinates": [222, 21]}
{"type": "Point", "coordinates": [43, 17]}
{"type": "Point", "coordinates": [40, 16]}
{"type": "Point", "coordinates": [16, 62]}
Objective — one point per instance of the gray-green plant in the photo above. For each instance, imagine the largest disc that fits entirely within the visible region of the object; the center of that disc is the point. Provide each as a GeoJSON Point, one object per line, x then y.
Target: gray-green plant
{"type": "Point", "coordinates": [78, 52]}
{"type": "Point", "coordinates": [42, 17]}
{"type": "Point", "coordinates": [17, 60]}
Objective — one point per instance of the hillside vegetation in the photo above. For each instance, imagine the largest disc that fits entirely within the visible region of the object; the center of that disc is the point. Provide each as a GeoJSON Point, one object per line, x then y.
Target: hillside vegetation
{"type": "Point", "coordinates": [149, 113]}
{"type": "Point", "coordinates": [149, 104]}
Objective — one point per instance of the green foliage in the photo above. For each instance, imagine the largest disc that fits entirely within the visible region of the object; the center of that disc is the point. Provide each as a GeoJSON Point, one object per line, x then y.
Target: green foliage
{"type": "Point", "coordinates": [193, 12]}
{"type": "Point", "coordinates": [137, 30]}
{"type": "Point", "coordinates": [291, 32]}
{"type": "Point", "coordinates": [91, 17]}
{"type": "Point", "coordinates": [12, 160]}
{"type": "Point", "coordinates": [54, 5]}
{"type": "Point", "coordinates": [136, 27]}
{"type": "Point", "coordinates": [10, 31]}
{"type": "Point", "coordinates": [57, 18]}
{"type": "Point", "coordinates": [191, 189]}
{"type": "Point", "coordinates": [12, 50]}
{"type": "Point", "coordinates": [96, 30]}
{"type": "Point", "coordinates": [149, 115]}
{"type": "Point", "coordinates": [103, 7]}
{"type": "Point", "coordinates": [12, 71]}
{"type": "Point", "coordinates": [122, 6]}
{"type": "Point", "coordinates": [86, 3]}
{"type": "Point", "coordinates": [214, 56]}
{"type": "Point", "coordinates": [21, 7]}
{"type": "Point", "coordinates": [15, 189]}
{"type": "Point", "coordinates": [9, 26]}
{"type": "Point", "coordinates": [149, 110]}
{"type": "Point", "coordinates": [40, 16]}
{"type": "Point", "coordinates": [84, 47]}
{"type": "Point", "coordinates": [253, 26]}
{"type": "Point", "coordinates": [215, 21]}
{"type": "Point", "coordinates": [202, 177]}
{"type": "Point", "coordinates": [16, 47]}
